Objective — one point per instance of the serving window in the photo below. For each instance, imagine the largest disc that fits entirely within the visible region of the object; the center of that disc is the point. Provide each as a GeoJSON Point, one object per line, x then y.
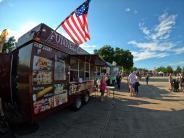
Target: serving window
{"type": "Point", "coordinates": [73, 69]}
{"type": "Point", "coordinates": [81, 69]}
{"type": "Point", "coordinates": [87, 71]}
{"type": "Point", "coordinates": [59, 70]}
{"type": "Point", "coordinates": [73, 63]}
{"type": "Point", "coordinates": [92, 71]}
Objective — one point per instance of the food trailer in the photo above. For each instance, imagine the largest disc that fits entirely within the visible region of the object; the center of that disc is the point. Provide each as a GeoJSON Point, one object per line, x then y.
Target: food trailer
{"type": "Point", "coordinates": [45, 73]}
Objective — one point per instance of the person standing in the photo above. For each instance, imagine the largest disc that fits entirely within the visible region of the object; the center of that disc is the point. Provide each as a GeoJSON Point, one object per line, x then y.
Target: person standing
{"type": "Point", "coordinates": [131, 82]}
{"type": "Point", "coordinates": [103, 87]}
{"type": "Point", "coordinates": [118, 80]}
{"type": "Point", "coordinates": [147, 79]}
{"type": "Point", "coordinates": [180, 81]}
{"type": "Point", "coordinates": [137, 84]}
{"type": "Point", "coordinates": [170, 82]}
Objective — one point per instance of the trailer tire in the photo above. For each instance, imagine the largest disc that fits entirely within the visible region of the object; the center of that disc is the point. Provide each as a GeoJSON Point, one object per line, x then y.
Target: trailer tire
{"type": "Point", "coordinates": [77, 104]}
{"type": "Point", "coordinates": [86, 98]}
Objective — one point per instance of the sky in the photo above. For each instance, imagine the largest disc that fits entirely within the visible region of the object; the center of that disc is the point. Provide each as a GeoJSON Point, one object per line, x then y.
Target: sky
{"type": "Point", "coordinates": [153, 30]}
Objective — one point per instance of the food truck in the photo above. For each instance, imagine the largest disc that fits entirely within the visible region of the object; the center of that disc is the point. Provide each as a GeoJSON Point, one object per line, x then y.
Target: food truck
{"type": "Point", "coordinates": [45, 73]}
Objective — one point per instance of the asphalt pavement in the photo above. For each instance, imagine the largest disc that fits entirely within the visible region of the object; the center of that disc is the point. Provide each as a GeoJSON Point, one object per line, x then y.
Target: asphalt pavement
{"type": "Point", "coordinates": [154, 113]}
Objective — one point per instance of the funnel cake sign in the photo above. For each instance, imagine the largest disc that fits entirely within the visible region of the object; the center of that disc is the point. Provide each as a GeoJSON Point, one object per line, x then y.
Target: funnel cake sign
{"type": "Point", "coordinates": [55, 39]}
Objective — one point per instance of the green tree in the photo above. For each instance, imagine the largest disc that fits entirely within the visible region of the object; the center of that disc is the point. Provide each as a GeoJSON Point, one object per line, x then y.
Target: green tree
{"type": "Point", "coordinates": [118, 55]}
{"type": "Point", "coordinates": [127, 61]}
{"type": "Point", "coordinates": [123, 58]}
{"type": "Point", "coordinates": [95, 51]}
{"type": "Point", "coordinates": [107, 53]}
{"type": "Point", "coordinates": [178, 69]}
{"type": "Point", "coordinates": [162, 69]}
{"type": "Point", "coordinates": [169, 69]}
{"type": "Point", "coordinates": [10, 44]}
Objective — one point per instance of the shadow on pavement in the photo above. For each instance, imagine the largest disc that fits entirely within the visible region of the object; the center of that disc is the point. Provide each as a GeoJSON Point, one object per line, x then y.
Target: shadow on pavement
{"type": "Point", "coordinates": [118, 117]}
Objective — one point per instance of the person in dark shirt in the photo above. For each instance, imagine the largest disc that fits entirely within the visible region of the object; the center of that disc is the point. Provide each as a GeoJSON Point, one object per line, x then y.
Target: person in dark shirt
{"type": "Point", "coordinates": [118, 80]}
{"type": "Point", "coordinates": [147, 79]}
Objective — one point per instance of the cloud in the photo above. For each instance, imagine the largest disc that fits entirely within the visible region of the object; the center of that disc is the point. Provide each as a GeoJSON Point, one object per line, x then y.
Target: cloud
{"type": "Point", "coordinates": [131, 11]}
{"type": "Point", "coordinates": [88, 48]}
{"type": "Point", "coordinates": [157, 44]}
{"type": "Point", "coordinates": [153, 46]}
{"type": "Point", "coordinates": [147, 55]}
{"type": "Point", "coordinates": [127, 10]}
{"type": "Point", "coordinates": [179, 50]}
{"type": "Point", "coordinates": [162, 30]}
{"type": "Point", "coordinates": [144, 29]}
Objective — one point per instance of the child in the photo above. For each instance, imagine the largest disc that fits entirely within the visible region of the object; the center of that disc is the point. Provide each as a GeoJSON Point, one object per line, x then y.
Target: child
{"type": "Point", "coordinates": [102, 86]}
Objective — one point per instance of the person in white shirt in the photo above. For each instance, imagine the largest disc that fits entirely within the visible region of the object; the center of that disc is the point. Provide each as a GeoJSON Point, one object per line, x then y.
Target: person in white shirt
{"type": "Point", "coordinates": [131, 82]}
{"type": "Point", "coordinates": [170, 82]}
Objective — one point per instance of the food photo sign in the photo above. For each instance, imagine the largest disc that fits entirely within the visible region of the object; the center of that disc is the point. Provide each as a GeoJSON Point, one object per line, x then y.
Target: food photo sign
{"type": "Point", "coordinates": [46, 94]}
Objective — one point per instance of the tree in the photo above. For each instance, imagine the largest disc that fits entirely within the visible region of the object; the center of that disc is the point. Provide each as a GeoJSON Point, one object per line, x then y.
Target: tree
{"type": "Point", "coordinates": [118, 54]}
{"type": "Point", "coordinates": [123, 58]}
{"type": "Point", "coordinates": [9, 45]}
{"type": "Point", "coordinates": [127, 61]}
{"type": "Point", "coordinates": [106, 52]}
{"type": "Point", "coordinates": [169, 69]}
{"type": "Point", "coordinates": [162, 69]}
{"type": "Point", "coordinates": [95, 51]}
{"type": "Point", "coordinates": [3, 37]}
{"type": "Point", "coordinates": [178, 69]}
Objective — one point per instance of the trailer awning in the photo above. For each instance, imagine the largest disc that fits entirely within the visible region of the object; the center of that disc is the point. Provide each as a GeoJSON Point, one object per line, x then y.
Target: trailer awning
{"type": "Point", "coordinates": [92, 58]}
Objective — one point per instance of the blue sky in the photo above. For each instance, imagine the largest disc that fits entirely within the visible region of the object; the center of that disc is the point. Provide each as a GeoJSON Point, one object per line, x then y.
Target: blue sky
{"type": "Point", "coordinates": [153, 30]}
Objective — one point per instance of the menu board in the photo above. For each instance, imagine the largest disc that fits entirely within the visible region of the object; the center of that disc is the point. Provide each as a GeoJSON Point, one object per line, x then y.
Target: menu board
{"type": "Point", "coordinates": [42, 73]}
{"type": "Point", "coordinates": [60, 94]}
{"type": "Point", "coordinates": [43, 105]}
{"type": "Point", "coordinates": [40, 92]}
{"type": "Point", "coordinates": [60, 99]}
{"type": "Point", "coordinates": [42, 84]}
{"type": "Point", "coordinates": [45, 93]}
{"type": "Point", "coordinates": [73, 88]}
{"type": "Point", "coordinates": [41, 63]}
{"type": "Point", "coordinates": [59, 88]}
{"type": "Point", "coordinates": [42, 77]}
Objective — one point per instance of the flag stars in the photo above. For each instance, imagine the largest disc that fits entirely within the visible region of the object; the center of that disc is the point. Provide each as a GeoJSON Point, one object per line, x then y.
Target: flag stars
{"type": "Point", "coordinates": [82, 9]}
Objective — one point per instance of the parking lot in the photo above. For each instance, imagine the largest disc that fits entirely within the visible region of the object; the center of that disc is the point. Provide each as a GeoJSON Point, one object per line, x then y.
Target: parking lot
{"type": "Point", "coordinates": [154, 113]}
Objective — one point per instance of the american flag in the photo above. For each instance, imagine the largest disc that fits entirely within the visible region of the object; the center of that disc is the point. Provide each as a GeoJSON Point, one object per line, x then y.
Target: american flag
{"type": "Point", "coordinates": [76, 24]}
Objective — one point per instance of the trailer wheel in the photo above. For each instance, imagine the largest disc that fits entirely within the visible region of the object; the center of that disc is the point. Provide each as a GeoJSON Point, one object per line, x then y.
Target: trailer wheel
{"type": "Point", "coordinates": [77, 103]}
{"type": "Point", "coordinates": [86, 98]}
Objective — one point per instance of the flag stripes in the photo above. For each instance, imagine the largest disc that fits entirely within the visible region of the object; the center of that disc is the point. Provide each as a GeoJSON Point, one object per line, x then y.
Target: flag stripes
{"type": "Point", "coordinates": [76, 24]}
